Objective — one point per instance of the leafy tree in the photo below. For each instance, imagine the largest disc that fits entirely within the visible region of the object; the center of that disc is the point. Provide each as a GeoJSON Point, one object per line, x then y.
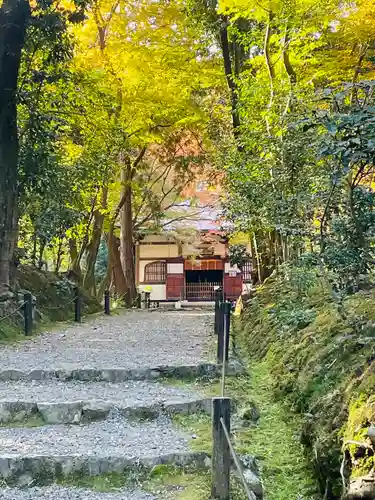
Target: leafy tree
{"type": "Point", "coordinates": [33, 40]}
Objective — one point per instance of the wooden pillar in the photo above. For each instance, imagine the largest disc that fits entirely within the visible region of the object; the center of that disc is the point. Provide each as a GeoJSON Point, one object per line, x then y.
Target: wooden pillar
{"type": "Point", "coordinates": [136, 257]}
{"type": "Point", "coordinates": [221, 459]}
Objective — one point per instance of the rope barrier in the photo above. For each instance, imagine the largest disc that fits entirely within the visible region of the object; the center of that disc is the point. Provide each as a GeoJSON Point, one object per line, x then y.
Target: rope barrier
{"type": "Point", "coordinates": [250, 494]}
{"type": "Point", "coordinates": [12, 313]}
{"type": "Point", "coordinates": [59, 307]}
{"type": "Point", "coordinates": [27, 306]}
{"type": "Point", "coordinates": [55, 308]}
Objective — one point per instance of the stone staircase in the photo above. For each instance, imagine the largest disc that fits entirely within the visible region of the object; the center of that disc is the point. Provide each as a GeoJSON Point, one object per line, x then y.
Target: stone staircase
{"type": "Point", "coordinates": [83, 424]}
{"type": "Point", "coordinates": [60, 421]}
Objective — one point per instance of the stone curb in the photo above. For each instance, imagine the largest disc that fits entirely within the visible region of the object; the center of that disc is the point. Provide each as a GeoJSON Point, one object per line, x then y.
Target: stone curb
{"type": "Point", "coordinates": [33, 469]}
{"type": "Point", "coordinates": [204, 370]}
{"type": "Point", "coordinates": [76, 412]}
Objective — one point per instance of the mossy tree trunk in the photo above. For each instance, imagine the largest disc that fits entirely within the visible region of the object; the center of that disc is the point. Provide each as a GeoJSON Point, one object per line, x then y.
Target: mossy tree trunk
{"type": "Point", "coordinates": [14, 15]}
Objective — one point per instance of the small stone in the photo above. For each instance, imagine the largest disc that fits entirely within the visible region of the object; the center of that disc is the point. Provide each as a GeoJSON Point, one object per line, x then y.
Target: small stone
{"type": "Point", "coordinates": [254, 483]}
{"type": "Point", "coordinates": [6, 295]}
{"type": "Point", "coordinates": [235, 368]}
{"type": "Point", "coordinates": [249, 415]}
{"type": "Point", "coordinates": [361, 487]}
{"type": "Point", "coordinates": [371, 434]}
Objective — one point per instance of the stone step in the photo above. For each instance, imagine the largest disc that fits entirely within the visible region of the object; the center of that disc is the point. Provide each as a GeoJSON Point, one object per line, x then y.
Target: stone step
{"type": "Point", "coordinates": [59, 402]}
{"type": "Point", "coordinates": [55, 492]}
{"type": "Point", "coordinates": [203, 370]}
{"type": "Point", "coordinates": [113, 445]}
{"type": "Point", "coordinates": [198, 305]}
{"type": "Point", "coordinates": [76, 412]}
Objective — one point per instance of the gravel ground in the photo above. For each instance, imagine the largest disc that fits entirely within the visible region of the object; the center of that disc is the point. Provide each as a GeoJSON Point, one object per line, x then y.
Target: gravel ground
{"type": "Point", "coordinates": [134, 339]}
{"type": "Point", "coordinates": [56, 492]}
{"type": "Point", "coordinates": [112, 437]}
{"type": "Point", "coordinates": [130, 394]}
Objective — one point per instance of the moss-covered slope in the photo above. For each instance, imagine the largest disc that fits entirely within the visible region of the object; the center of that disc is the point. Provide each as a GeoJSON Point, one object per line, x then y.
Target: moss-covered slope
{"type": "Point", "coordinates": [54, 294]}
{"type": "Point", "coordinates": [321, 354]}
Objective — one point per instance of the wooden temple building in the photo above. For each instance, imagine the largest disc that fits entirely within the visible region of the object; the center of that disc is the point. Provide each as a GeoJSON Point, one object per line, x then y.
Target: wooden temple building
{"type": "Point", "coordinates": [174, 269]}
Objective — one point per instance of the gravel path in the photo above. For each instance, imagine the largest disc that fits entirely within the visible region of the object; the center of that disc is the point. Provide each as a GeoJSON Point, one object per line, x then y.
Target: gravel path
{"type": "Point", "coordinates": [133, 339]}
{"type": "Point", "coordinates": [59, 493]}
{"type": "Point", "coordinates": [132, 393]}
{"type": "Point", "coordinates": [112, 437]}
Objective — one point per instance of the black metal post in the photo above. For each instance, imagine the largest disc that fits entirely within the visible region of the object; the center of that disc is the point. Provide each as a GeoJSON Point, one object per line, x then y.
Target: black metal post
{"type": "Point", "coordinates": [218, 299]}
{"type": "Point", "coordinates": [221, 459]}
{"type": "Point", "coordinates": [28, 313]}
{"type": "Point", "coordinates": [223, 333]}
{"type": "Point", "coordinates": [77, 305]}
{"type": "Point", "coordinates": [226, 325]}
{"type": "Point", "coordinates": [220, 334]}
{"type": "Point", "coordinates": [107, 303]}
{"type": "Point", "coordinates": [147, 300]}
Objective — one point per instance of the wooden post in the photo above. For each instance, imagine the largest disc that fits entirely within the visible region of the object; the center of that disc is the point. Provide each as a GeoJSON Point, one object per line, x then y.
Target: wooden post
{"type": "Point", "coordinates": [221, 459]}
{"type": "Point", "coordinates": [107, 303]}
{"type": "Point", "coordinates": [28, 313]}
{"type": "Point", "coordinates": [77, 305]}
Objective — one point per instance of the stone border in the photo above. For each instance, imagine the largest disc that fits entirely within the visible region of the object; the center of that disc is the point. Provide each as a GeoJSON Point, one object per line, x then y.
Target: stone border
{"type": "Point", "coordinates": [17, 470]}
{"type": "Point", "coordinates": [204, 370]}
{"type": "Point", "coordinates": [77, 412]}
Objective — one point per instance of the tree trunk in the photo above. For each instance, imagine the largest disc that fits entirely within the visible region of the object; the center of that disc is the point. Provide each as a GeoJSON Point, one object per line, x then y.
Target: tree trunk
{"type": "Point", "coordinates": [59, 256]}
{"type": "Point", "coordinates": [42, 246]}
{"type": "Point", "coordinates": [127, 246]}
{"type": "Point", "coordinates": [14, 15]}
{"type": "Point", "coordinates": [225, 47]}
{"type": "Point", "coordinates": [257, 257]}
{"type": "Point", "coordinates": [92, 253]}
{"type": "Point", "coordinates": [114, 278]}
{"type": "Point", "coordinates": [75, 268]}
{"type": "Point", "coordinates": [93, 246]}
{"type": "Point", "coordinates": [118, 277]}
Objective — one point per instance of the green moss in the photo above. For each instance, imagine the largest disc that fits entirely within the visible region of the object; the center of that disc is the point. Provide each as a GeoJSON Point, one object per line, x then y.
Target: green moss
{"type": "Point", "coordinates": [171, 483]}
{"type": "Point", "coordinates": [10, 331]}
{"type": "Point", "coordinates": [54, 303]}
{"type": "Point", "coordinates": [199, 426]}
{"type": "Point", "coordinates": [354, 435]}
{"type": "Point", "coordinates": [54, 294]}
{"type": "Point", "coordinates": [286, 472]}
{"type": "Point", "coordinates": [325, 370]}
{"type": "Point", "coordinates": [107, 482]}
{"type": "Point", "coordinates": [165, 481]}
{"type": "Point", "coordinates": [33, 421]}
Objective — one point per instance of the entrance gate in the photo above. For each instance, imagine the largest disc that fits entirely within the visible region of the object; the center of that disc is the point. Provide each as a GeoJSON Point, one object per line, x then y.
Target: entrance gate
{"type": "Point", "coordinates": [201, 291]}
{"type": "Point", "coordinates": [202, 278]}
